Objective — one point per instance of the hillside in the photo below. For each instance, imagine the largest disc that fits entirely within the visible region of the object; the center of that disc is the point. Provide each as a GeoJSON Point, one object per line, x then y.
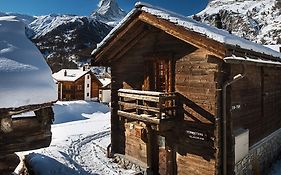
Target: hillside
{"type": "Point", "coordinates": [65, 40]}
{"type": "Point", "coordinates": [258, 21]}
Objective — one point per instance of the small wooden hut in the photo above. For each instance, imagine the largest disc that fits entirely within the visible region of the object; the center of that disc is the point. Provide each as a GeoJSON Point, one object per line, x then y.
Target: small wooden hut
{"type": "Point", "coordinates": [187, 98]}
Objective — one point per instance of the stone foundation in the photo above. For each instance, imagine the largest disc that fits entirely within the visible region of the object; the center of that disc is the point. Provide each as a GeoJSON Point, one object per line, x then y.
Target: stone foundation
{"type": "Point", "coordinates": [128, 162]}
{"type": "Point", "coordinates": [260, 156]}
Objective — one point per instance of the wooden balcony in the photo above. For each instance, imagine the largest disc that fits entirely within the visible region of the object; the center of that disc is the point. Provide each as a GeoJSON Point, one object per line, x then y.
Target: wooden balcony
{"type": "Point", "coordinates": [155, 108]}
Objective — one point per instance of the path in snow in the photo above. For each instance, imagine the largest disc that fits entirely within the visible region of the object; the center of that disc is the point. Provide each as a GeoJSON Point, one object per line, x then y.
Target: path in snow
{"type": "Point", "coordinates": [78, 146]}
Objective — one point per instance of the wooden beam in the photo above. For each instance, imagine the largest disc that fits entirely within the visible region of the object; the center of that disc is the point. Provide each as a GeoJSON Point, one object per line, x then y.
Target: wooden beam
{"type": "Point", "coordinates": [150, 93]}
{"type": "Point", "coordinates": [144, 118]}
{"type": "Point", "coordinates": [139, 97]}
{"type": "Point", "coordinates": [181, 33]}
{"type": "Point", "coordinates": [25, 142]}
{"type": "Point", "coordinates": [129, 45]}
{"type": "Point", "coordinates": [142, 107]}
{"type": "Point", "coordinates": [121, 32]}
{"type": "Point", "coordinates": [238, 51]}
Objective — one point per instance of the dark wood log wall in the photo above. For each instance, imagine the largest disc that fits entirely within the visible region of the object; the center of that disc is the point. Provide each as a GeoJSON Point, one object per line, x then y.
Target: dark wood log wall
{"type": "Point", "coordinates": [255, 101]}
{"type": "Point", "coordinates": [95, 87]}
{"type": "Point", "coordinates": [79, 94]}
{"type": "Point", "coordinates": [197, 79]}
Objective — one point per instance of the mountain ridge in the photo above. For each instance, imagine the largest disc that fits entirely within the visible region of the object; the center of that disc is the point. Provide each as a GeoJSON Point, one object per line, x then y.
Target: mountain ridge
{"type": "Point", "coordinates": [258, 21]}
{"type": "Point", "coordinates": [66, 41]}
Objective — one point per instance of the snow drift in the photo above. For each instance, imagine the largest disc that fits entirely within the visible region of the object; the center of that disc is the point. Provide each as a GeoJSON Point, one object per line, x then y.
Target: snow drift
{"type": "Point", "coordinates": [25, 77]}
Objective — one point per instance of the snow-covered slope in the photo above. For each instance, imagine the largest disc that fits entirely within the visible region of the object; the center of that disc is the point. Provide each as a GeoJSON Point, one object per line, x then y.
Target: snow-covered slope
{"type": "Point", "coordinates": [45, 24]}
{"type": "Point", "coordinates": [25, 78]}
{"type": "Point", "coordinates": [108, 12]}
{"type": "Point", "coordinates": [66, 39]}
{"type": "Point", "coordinates": [258, 20]}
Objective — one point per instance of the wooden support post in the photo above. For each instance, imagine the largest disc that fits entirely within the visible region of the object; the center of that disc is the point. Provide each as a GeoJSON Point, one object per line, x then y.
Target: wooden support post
{"type": "Point", "coordinates": [117, 123]}
{"type": "Point", "coordinates": [152, 151]}
{"type": "Point", "coordinates": [171, 156]}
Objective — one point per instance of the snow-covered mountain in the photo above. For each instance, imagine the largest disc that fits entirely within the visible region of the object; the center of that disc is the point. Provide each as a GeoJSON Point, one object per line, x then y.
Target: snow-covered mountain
{"type": "Point", "coordinates": [256, 20]}
{"type": "Point", "coordinates": [65, 40]}
{"type": "Point", "coordinates": [108, 12]}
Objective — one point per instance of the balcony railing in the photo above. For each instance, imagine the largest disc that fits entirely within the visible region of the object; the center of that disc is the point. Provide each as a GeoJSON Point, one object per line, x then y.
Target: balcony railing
{"type": "Point", "coordinates": [147, 106]}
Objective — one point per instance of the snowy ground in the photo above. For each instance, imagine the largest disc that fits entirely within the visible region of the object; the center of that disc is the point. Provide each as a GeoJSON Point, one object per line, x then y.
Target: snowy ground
{"type": "Point", "coordinates": [81, 134]}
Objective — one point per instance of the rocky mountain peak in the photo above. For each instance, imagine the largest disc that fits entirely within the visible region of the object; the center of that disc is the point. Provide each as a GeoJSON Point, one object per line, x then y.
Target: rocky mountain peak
{"type": "Point", "coordinates": [109, 12]}
{"type": "Point", "coordinates": [255, 20]}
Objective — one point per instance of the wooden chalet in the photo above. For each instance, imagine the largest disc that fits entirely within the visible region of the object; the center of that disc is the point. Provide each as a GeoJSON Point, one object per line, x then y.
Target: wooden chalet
{"type": "Point", "coordinates": [77, 84]}
{"type": "Point", "coordinates": [187, 98]}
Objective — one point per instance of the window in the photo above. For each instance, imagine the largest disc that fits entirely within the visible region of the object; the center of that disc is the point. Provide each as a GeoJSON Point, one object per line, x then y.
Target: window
{"type": "Point", "coordinates": [79, 87]}
{"type": "Point", "coordinates": [88, 94]}
{"type": "Point", "coordinates": [88, 76]}
{"type": "Point", "coordinates": [88, 85]}
{"type": "Point", "coordinates": [158, 75]}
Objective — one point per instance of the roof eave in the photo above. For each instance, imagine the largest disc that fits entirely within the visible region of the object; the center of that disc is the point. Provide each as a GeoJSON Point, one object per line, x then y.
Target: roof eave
{"type": "Point", "coordinates": [96, 54]}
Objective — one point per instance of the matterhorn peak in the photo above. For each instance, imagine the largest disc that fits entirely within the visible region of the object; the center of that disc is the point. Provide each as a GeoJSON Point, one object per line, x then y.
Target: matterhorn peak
{"type": "Point", "coordinates": [109, 12]}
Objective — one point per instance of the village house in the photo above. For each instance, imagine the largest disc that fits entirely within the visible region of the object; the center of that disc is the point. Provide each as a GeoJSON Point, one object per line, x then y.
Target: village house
{"type": "Point", "coordinates": [77, 84]}
{"type": "Point", "coordinates": [188, 98]}
{"type": "Point", "coordinates": [105, 90]}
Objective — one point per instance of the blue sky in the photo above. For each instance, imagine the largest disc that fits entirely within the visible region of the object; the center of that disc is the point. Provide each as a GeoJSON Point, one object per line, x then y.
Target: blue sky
{"type": "Point", "coordinates": [85, 7]}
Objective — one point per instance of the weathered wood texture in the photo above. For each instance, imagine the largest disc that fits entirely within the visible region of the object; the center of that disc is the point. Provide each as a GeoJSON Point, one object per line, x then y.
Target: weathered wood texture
{"type": "Point", "coordinates": [196, 79]}
{"type": "Point", "coordinates": [27, 133]}
{"type": "Point", "coordinates": [135, 141]}
{"type": "Point", "coordinates": [95, 86]}
{"type": "Point", "coordinates": [70, 90]}
{"type": "Point", "coordinates": [8, 163]}
{"type": "Point", "coordinates": [255, 101]}
{"type": "Point", "coordinates": [194, 164]}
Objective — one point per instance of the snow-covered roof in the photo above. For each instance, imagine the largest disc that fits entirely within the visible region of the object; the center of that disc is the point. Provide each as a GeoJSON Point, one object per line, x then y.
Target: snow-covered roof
{"type": "Point", "coordinates": [276, 47]}
{"type": "Point", "coordinates": [237, 59]}
{"type": "Point", "coordinates": [105, 81]}
{"type": "Point", "coordinates": [25, 77]}
{"type": "Point", "coordinates": [189, 24]}
{"type": "Point", "coordinates": [69, 74]}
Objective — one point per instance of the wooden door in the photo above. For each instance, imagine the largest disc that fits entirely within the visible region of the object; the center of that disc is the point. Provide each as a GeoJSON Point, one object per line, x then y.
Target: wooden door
{"type": "Point", "coordinates": [158, 75]}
